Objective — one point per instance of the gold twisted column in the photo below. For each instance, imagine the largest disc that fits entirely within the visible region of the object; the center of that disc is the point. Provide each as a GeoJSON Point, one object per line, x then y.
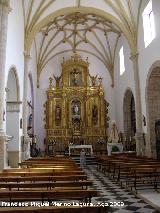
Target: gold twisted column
{"type": "Point", "coordinates": [50, 114]}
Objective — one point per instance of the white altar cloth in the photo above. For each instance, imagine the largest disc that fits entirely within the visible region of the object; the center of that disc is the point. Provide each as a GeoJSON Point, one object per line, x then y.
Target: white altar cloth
{"type": "Point", "coordinates": [81, 147]}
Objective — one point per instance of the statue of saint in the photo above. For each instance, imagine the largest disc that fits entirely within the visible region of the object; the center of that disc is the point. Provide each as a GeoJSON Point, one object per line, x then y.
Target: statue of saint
{"type": "Point", "coordinates": [75, 77]}
{"type": "Point", "coordinates": [58, 112]}
{"type": "Point", "coordinates": [57, 79]}
{"type": "Point", "coordinates": [94, 111]}
{"type": "Point", "coordinates": [94, 114]}
{"type": "Point", "coordinates": [76, 109]}
{"type": "Point", "coordinates": [114, 136]}
{"type": "Point", "coordinates": [93, 79]}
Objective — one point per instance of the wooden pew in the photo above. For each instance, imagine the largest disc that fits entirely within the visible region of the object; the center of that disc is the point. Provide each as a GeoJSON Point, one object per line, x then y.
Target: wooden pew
{"type": "Point", "coordinates": [49, 195]}
{"type": "Point", "coordinates": [63, 179]}
{"type": "Point", "coordinates": [46, 185]}
{"type": "Point", "coordinates": [40, 165]}
{"type": "Point", "coordinates": [133, 172]}
{"type": "Point", "coordinates": [30, 163]}
{"type": "Point", "coordinates": [46, 169]}
{"type": "Point", "coordinates": [55, 209]}
{"type": "Point", "coordinates": [42, 173]}
{"type": "Point", "coordinates": [43, 178]}
{"type": "Point", "coordinates": [55, 161]}
{"type": "Point", "coordinates": [142, 177]}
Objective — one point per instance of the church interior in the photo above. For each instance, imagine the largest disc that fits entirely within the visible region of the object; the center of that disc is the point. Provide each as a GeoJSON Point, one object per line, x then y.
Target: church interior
{"type": "Point", "coordinates": [79, 106]}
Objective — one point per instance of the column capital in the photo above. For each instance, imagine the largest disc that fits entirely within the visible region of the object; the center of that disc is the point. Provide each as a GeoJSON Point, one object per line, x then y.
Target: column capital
{"type": "Point", "coordinates": [134, 56]}
{"type": "Point", "coordinates": [26, 55]}
{"type": "Point", "coordinates": [6, 3]}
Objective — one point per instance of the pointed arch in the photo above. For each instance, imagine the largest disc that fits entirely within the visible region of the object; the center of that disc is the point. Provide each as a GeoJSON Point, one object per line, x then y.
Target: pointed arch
{"type": "Point", "coordinates": [153, 109]}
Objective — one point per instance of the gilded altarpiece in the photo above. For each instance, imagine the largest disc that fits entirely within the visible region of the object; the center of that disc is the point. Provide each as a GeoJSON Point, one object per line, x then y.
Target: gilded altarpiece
{"type": "Point", "coordinates": [75, 110]}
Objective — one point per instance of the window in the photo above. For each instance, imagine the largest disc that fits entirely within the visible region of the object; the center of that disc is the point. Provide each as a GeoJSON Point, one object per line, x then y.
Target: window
{"type": "Point", "coordinates": [148, 24]}
{"type": "Point", "coordinates": [121, 58]}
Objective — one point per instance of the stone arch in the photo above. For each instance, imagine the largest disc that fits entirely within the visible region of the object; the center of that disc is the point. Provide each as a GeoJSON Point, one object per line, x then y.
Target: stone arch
{"type": "Point", "coordinates": [153, 109]}
{"type": "Point", "coordinates": [129, 117]}
{"type": "Point", "coordinates": [13, 88]}
{"type": "Point", "coordinates": [12, 116]}
{"type": "Point", "coordinates": [86, 10]}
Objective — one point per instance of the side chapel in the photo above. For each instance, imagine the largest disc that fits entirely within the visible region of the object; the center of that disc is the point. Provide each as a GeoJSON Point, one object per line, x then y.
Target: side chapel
{"type": "Point", "coordinates": [75, 110]}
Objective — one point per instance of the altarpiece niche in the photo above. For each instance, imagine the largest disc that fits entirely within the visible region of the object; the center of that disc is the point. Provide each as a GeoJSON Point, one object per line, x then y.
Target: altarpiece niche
{"type": "Point", "coordinates": [75, 110]}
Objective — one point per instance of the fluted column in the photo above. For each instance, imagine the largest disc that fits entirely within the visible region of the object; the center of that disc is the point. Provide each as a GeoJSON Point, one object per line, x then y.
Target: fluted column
{"type": "Point", "coordinates": [4, 10]}
{"type": "Point", "coordinates": [139, 128]}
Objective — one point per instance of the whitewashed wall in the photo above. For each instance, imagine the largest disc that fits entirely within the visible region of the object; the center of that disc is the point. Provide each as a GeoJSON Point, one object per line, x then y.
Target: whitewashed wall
{"type": "Point", "coordinates": [14, 56]}
{"type": "Point", "coordinates": [122, 82]}
{"type": "Point", "coordinates": [148, 55]}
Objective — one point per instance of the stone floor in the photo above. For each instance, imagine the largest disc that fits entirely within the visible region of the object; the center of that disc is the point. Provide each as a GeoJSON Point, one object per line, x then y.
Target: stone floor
{"type": "Point", "coordinates": [119, 199]}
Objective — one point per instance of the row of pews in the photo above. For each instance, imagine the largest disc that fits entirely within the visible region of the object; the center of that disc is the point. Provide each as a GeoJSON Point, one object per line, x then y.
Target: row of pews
{"type": "Point", "coordinates": [53, 184]}
{"type": "Point", "coordinates": [131, 171]}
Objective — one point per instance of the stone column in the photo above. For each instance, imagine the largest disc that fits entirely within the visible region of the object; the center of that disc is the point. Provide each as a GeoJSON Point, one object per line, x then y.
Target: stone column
{"type": "Point", "coordinates": [25, 93]}
{"type": "Point", "coordinates": [4, 10]}
{"type": "Point", "coordinates": [139, 128]}
{"type": "Point", "coordinates": [26, 139]}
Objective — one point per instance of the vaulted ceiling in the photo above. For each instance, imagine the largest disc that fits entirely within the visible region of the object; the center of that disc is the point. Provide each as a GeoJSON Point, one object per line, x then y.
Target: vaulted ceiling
{"type": "Point", "coordinates": [89, 26]}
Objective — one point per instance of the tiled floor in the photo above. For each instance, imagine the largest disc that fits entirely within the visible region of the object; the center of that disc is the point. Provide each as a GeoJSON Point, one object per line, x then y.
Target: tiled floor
{"type": "Point", "coordinates": [119, 199]}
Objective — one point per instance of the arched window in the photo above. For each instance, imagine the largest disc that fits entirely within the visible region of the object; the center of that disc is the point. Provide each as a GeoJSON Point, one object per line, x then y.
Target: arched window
{"type": "Point", "coordinates": [121, 59]}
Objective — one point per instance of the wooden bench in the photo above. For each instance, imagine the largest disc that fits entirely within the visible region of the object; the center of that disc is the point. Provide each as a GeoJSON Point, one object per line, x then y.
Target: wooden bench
{"type": "Point", "coordinates": [45, 169]}
{"type": "Point", "coordinates": [55, 209]}
{"type": "Point", "coordinates": [43, 178]}
{"type": "Point", "coordinates": [143, 177]}
{"type": "Point", "coordinates": [42, 173]}
{"type": "Point", "coordinates": [25, 196]}
{"type": "Point", "coordinates": [46, 163]}
{"type": "Point", "coordinates": [133, 172]}
{"type": "Point", "coordinates": [40, 165]}
{"type": "Point", "coordinates": [47, 185]}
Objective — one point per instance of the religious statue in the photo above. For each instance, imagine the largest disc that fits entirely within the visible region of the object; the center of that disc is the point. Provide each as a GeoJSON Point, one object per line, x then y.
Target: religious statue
{"type": "Point", "coordinates": [76, 109]}
{"type": "Point", "coordinates": [94, 114]}
{"type": "Point", "coordinates": [58, 112]}
{"type": "Point", "coordinates": [57, 79]}
{"type": "Point", "coordinates": [93, 79]}
{"type": "Point", "coordinates": [75, 78]}
{"type": "Point", "coordinates": [114, 136]}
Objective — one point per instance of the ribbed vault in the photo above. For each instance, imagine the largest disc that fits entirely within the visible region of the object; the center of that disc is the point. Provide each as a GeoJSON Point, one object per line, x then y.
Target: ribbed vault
{"type": "Point", "coordinates": [80, 28]}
